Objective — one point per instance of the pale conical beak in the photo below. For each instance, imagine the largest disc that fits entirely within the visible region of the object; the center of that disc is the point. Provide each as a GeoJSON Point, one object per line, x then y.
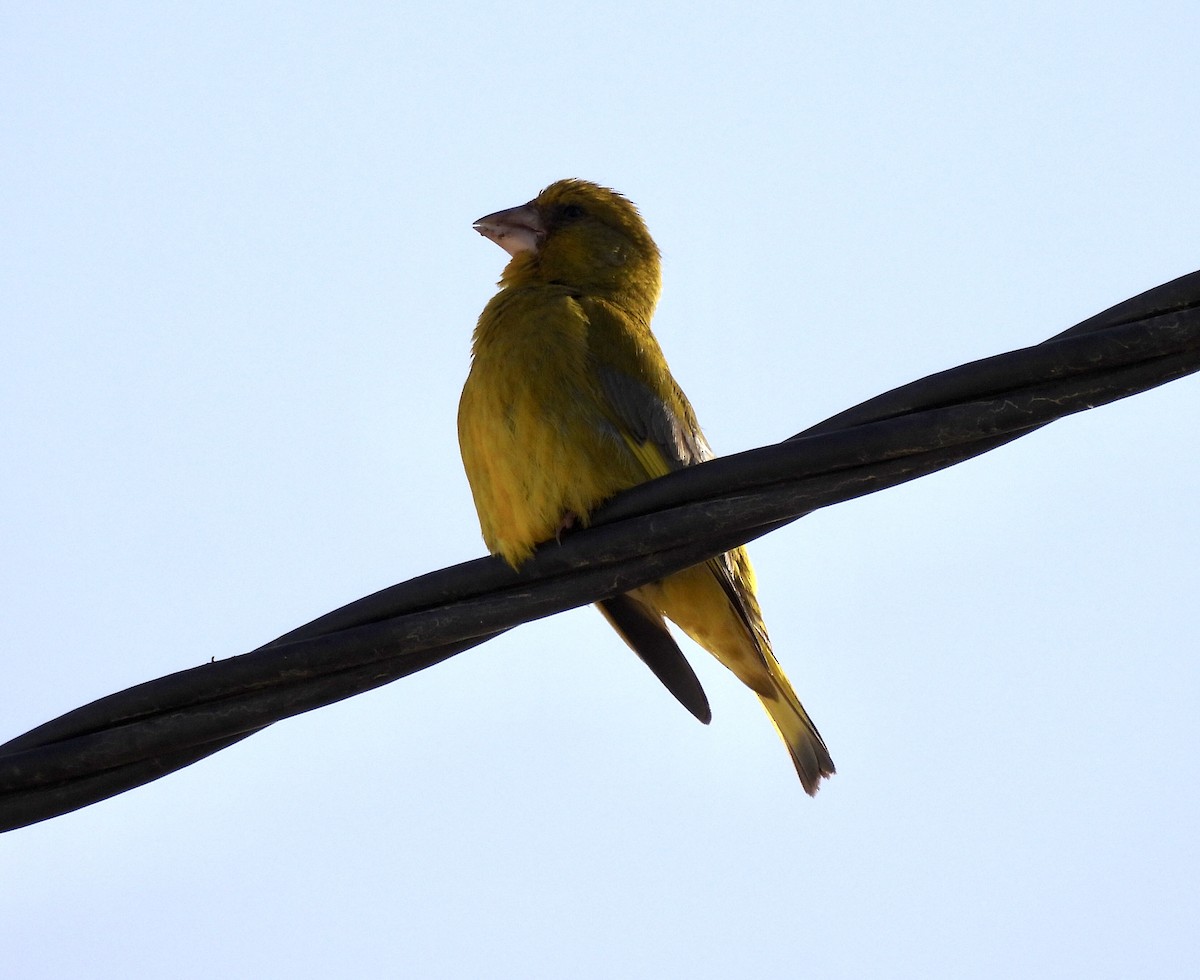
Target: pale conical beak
{"type": "Point", "coordinates": [515, 230]}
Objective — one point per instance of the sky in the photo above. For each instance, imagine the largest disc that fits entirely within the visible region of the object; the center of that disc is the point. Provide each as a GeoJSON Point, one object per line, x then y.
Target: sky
{"type": "Point", "coordinates": [237, 285]}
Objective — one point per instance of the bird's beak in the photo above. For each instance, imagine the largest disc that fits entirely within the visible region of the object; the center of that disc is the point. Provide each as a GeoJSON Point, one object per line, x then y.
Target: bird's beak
{"type": "Point", "coordinates": [516, 230]}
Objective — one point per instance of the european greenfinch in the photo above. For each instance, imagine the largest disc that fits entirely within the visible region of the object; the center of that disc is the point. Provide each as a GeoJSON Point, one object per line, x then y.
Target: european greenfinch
{"type": "Point", "coordinates": [569, 400]}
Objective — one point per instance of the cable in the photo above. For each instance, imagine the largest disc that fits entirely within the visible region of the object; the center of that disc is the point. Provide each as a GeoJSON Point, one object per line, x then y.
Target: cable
{"type": "Point", "coordinates": [137, 735]}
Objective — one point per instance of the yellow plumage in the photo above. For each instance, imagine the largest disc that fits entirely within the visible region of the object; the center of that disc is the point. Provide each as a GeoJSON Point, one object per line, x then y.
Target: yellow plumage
{"type": "Point", "coordinates": [570, 400]}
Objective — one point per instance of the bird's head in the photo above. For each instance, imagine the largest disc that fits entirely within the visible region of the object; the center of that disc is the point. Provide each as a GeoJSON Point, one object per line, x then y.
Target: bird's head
{"type": "Point", "coordinates": [581, 235]}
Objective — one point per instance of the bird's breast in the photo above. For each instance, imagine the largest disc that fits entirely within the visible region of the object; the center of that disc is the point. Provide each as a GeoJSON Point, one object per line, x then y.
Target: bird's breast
{"type": "Point", "coordinates": [535, 443]}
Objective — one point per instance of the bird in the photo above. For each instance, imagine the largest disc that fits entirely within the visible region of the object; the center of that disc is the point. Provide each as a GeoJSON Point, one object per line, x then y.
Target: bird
{"type": "Point", "coordinates": [569, 400]}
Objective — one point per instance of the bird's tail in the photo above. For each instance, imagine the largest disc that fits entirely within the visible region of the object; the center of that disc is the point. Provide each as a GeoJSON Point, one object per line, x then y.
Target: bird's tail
{"type": "Point", "coordinates": [714, 604]}
{"type": "Point", "coordinates": [799, 734]}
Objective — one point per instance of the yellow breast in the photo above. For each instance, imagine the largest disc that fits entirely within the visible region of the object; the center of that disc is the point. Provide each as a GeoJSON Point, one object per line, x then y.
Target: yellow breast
{"type": "Point", "coordinates": [531, 428]}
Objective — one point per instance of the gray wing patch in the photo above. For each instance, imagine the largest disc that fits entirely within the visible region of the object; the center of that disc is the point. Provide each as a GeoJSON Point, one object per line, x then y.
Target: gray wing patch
{"type": "Point", "coordinates": [648, 418]}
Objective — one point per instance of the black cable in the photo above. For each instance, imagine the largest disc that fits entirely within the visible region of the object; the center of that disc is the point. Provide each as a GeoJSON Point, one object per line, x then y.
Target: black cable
{"type": "Point", "coordinates": [142, 733]}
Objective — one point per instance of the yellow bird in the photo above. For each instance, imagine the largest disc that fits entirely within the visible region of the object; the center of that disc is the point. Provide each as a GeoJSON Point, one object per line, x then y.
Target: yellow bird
{"type": "Point", "coordinates": [569, 400]}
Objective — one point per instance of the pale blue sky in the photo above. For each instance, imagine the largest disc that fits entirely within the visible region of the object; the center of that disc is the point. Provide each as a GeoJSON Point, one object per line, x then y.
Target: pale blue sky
{"type": "Point", "coordinates": [237, 284]}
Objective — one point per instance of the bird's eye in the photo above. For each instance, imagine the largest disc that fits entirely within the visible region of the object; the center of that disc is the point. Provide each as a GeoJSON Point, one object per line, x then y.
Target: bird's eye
{"type": "Point", "coordinates": [572, 211]}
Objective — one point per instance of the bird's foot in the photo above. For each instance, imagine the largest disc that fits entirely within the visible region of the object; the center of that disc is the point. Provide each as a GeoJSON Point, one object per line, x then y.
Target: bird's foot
{"type": "Point", "coordinates": [569, 521]}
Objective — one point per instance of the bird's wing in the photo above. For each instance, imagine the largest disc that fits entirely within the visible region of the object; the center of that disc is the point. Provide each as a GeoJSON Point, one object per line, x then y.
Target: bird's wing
{"type": "Point", "coordinates": [661, 437]}
{"type": "Point", "coordinates": [643, 629]}
{"type": "Point", "coordinates": [654, 420]}
{"type": "Point", "coordinates": [660, 443]}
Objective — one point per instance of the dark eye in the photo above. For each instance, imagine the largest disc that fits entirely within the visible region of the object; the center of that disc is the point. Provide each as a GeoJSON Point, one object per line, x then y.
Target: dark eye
{"type": "Point", "coordinates": [571, 212]}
